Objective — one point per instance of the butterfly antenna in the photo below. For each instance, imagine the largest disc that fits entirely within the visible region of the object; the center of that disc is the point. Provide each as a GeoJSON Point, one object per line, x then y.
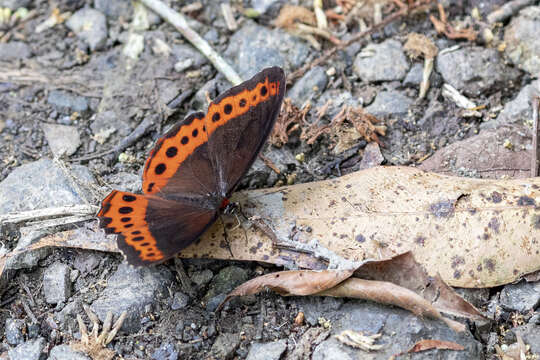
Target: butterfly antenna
{"type": "Point", "coordinates": [226, 236]}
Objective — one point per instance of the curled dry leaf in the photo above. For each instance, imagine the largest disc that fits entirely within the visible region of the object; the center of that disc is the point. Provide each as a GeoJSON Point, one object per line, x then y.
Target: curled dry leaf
{"type": "Point", "coordinates": [289, 120]}
{"type": "Point", "coordinates": [294, 282]}
{"type": "Point", "coordinates": [291, 14]}
{"type": "Point", "coordinates": [428, 344]}
{"type": "Point", "coordinates": [388, 293]}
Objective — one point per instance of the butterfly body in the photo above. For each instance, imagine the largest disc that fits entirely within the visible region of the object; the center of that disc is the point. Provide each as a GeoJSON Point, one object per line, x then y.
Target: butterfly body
{"type": "Point", "coordinates": [192, 171]}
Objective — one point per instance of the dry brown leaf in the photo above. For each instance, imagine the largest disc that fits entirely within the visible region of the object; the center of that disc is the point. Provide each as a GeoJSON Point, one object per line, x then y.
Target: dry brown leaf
{"type": "Point", "coordinates": [420, 45]}
{"type": "Point", "coordinates": [388, 293]}
{"type": "Point", "coordinates": [294, 282]}
{"type": "Point", "coordinates": [291, 14]}
{"type": "Point", "coordinates": [289, 120]}
{"type": "Point", "coordinates": [485, 155]}
{"type": "Point", "coordinates": [428, 344]}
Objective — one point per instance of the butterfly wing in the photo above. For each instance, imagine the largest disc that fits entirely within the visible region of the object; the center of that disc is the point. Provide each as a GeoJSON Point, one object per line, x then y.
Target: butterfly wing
{"type": "Point", "coordinates": [179, 162]}
{"type": "Point", "coordinates": [151, 228]}
{"type": "Point", "coordinates": [239, 122]}
{"type": "Point", "coordinates": [200, 156]}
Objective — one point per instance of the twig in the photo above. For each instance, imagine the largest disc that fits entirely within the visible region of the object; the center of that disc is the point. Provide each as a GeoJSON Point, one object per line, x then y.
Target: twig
{"type": "Point", "coordinates": [507, 10]}
{"type": "Point", "coordinates": [33, 215]}
{"type": "Point", "coordinates": [329, 53]}
{"type": "Point", "coordinates": [535, 148]}
{"type": "Point", "coordinates": [29, 312]}
{"type": "Point", "coordinates": [180, 23]}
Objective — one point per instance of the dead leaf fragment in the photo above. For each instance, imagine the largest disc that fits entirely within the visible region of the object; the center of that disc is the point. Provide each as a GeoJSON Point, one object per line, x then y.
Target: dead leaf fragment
{"type": "Point", "coordinates": [428, 344]}
{"type": "Point", "coordinates": [358, 340]}
{"type": "Point", "coordinates": [420, 45]}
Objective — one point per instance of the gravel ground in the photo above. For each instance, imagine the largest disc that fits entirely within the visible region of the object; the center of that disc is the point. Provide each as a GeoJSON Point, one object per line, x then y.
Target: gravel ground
{"type": "Point", "coordinates": [81, 83]}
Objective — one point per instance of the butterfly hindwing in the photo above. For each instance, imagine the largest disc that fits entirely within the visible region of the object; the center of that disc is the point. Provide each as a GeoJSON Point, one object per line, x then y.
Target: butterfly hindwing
{"type": "Point", "coordinates": [152, 229]}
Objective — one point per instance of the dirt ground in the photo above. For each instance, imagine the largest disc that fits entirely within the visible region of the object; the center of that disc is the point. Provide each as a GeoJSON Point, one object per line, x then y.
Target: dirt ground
{"type": "Point", "coordinates": [79, 78]}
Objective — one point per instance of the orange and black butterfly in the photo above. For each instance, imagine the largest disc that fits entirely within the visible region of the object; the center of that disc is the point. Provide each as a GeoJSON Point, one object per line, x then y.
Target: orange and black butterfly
{"type": "Point", "coordinates": [192, 171]}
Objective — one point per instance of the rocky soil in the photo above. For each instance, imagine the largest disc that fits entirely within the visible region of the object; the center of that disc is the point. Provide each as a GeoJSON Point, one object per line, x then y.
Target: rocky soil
{"type": "Point", "coordinates": [78, 77]}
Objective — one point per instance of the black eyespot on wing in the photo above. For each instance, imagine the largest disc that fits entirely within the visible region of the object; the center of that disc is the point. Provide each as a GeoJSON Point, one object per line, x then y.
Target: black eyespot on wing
{"type": "Point", "coordinates": [125, 210]}
{"type": "Point", "coordinates": [184, 140]}
{"type": "Point", "coordinates": [216, 117]}
{"type": "Point", "coordinates": [171, 152]}
{"type": "Point", "coordinates": [138, 238]}
{"type": "Point", "coordinates": [264, 91]}
{"type": "Point", "coordinates": [160, 169]}
{"type": "Point", "coordinates": [150, 187]}
{"type": "Point", "coordinates": [128, 198]}
{"type": "Point", "coordinates": [195, 133]}
{"type": "Point", "coordinates": [136, 232]}
{"type": "Point", "coordinates": [125, 219]}
{"type": "Point", "coordinates": [127, 226]}
{"type": "Point", "coordinates": [228, 109]}
{"type": "Point", "coordinates": [242, 102]}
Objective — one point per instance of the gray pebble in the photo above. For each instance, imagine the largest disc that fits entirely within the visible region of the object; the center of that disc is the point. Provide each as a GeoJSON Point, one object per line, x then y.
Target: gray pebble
{"type": "Point", "coordinates": [63, 140]}
{"type": "Point", "coordinates": [14, 50]}
{"type": "Point", "coordinates": [386, 62]}
{"type": "Point", "coordinates": [66, 102]}
{"type": "Point", "coordinates": [56, 283]}
{"type": "Point", "coordinates": [14, 331]}
{"type": "Point", "coordinates": [30, 350]}
{"type": "Point", "coordinates": [312, 84]}
{"type": "Point", "coordinates": [521, 297]}
{"type": "Point", "coordinates": [64, 352]}
{"type": "Point", "coordinates": [267, 351]}
{"type": "Point", "coordinates": [89, 25]}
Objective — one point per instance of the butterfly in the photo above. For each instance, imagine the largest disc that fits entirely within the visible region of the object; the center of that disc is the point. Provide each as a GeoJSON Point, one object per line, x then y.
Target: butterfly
{"type": "Point", "coordinates": [192, 171]}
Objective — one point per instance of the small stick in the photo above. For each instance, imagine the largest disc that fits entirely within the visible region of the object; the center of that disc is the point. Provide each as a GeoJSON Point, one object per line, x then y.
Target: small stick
{"type": "Point", "coordinates": [229, 16]}
{"type": "Point", "coordinates": [33, 215]}
{"type": "Point", "coordinates": [508, 10]}
{"type": "Point", "coordinates": [535, 148]}
{"type": "Point", "coordinates": [179, 22]}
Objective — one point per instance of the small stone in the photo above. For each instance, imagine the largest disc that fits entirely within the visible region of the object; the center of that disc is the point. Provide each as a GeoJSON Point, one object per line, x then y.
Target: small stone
{"type": "Point", "coordinates": [225, 345]}
{"type": "Point", "coordinates": [518, 110]}
{"type": "Point", "coordinates": [414, 76]}
{"type": "Point", "coordinates": [330, 350]}
{"type": "Point", "coordinates": [64, 352]}
{"type": "Point", "coordinates": [310, 85]}
{"type": "Point", "coordinates": [30, 350]}
{"type": "Point", "coordinates": [14, 50]}
{"type": "Point", "coordinates": [226, 280]}
{"type": "Point", "coordinates": [63, 140]}
{"type": "Point", "coordinates": [56, 283]}
{"type": "Point", "coordinates": [522, 40]}
{"type": "Point", "coordinates": [267, 351]}
{"type": "Point", "coordinates": [382, 62]}
{"type": "Point", "coordinates": [254, 47]}
{"type": "Point", "coordinates": [475, 70]}
{"type": "Point", "coordinates": [66, 103]}
{"type": "Point", "coordinates": [14, 331]}
{"type": "Point", "coordinates": [115, 8]}
{"type": "Point", "coordinates": [182, 65]}
{"type": "Point", "coordinates": [14, 4]}
{"type": "Point", "coordinates": [89, 25]}
{"type": "Point", "coordinates": [201, 278]}
{"type": "Point", "coordinates": [165, 352]}
{"type": "Point", "coordinates": [262, 6]}
{"type": "Point", "coordinates": [179, 301]}
{"type": "Point", "coordinates": [521, 297]}
{"type": "Point", "coordinates": [106, 123]}
{"type": "Point", "coordinates": [372, 156]}
{"type": "Point", "coordinates": [132, 289]}
{"type": "Point", "coordinates": [390, 103]}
